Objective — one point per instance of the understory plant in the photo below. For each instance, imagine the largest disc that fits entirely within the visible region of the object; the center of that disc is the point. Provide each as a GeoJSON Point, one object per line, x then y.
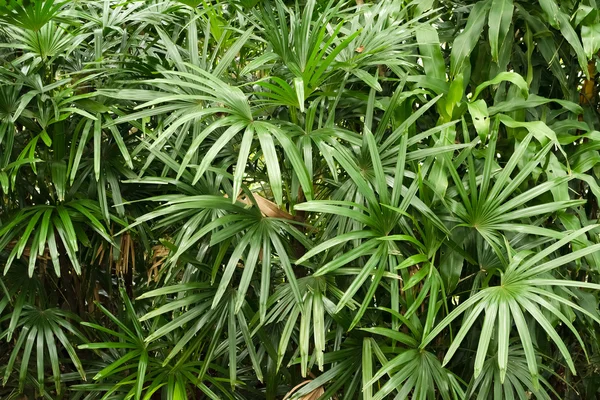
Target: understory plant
{"type": "Point", "coordinates": [310, 199]}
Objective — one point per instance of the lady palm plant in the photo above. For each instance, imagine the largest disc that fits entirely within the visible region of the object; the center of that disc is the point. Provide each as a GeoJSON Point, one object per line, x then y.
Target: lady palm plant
{"type": "Point", "coordinates": [310, 199]}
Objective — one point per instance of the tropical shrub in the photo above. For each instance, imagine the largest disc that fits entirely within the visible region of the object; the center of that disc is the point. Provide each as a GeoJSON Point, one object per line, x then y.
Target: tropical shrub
{"type": "Point", "coordinates": [274, 199]}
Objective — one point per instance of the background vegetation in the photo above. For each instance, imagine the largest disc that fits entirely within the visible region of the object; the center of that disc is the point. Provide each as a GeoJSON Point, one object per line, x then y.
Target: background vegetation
{"type": "Point", "coordinates": [241, 199]}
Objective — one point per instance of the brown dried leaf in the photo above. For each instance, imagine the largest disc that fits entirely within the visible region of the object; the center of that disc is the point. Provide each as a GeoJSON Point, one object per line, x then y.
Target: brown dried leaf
{"type": "Point", "coordinates": [159, 255]}
{"type": "Point", "coordinates": [314, 395]}
{"type": "Point", "coordinates": [267, 207]}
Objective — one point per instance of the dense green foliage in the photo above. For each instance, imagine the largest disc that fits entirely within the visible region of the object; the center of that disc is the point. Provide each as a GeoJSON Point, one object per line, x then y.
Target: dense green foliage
{"type": "Point", "coordinates": [245, 199]}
